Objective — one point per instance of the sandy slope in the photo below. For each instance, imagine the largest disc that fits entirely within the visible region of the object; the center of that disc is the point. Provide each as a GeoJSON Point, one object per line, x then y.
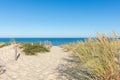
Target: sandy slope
{"type": "Point", "coordinates": [41, 67]}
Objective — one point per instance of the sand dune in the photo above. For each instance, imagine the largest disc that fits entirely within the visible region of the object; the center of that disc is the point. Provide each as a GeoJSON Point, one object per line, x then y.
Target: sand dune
{"type": "Point", "coordinates": [44, 66]}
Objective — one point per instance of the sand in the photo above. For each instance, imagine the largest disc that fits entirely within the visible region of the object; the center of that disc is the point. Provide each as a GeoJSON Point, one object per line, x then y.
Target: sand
{"type": "Point", "coordinates": [44, 66]}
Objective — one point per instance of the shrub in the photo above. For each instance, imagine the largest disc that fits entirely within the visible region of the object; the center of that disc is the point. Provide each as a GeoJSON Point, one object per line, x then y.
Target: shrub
{"type": "Point", "coordinates": [33, 49]}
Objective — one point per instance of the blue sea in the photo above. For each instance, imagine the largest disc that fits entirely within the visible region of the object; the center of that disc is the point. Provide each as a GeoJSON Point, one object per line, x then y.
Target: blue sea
{"type": "Point", "coordinates": [54, 41]}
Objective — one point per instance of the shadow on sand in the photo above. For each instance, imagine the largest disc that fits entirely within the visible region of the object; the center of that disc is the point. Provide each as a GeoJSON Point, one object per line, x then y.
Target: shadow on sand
{"type": "Point", "coordinates": [72, 70]}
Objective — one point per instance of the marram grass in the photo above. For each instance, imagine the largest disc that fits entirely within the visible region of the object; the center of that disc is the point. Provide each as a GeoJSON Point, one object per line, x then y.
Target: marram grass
{"type": "Point", "coordinates": [4, 44]}
{"type": "Point", "coordinates": [99, 57]}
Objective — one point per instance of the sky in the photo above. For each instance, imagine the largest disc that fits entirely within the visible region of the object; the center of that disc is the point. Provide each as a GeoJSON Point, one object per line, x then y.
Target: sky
{"type": "Point", "coordinates": [58, 18]}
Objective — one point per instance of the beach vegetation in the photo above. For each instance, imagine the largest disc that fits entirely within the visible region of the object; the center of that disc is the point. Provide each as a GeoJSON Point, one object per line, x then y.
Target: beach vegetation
{"type": "Point", "coordinates": [99, 58]}
{"type": "Point", "coordinates": [33, 48]}
{"type": "Point", "coordinates": [3, 44]}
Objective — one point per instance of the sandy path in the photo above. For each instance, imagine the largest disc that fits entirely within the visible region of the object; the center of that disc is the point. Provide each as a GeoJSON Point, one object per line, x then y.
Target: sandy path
{"type": "Point", "coordinates": [41, 67]}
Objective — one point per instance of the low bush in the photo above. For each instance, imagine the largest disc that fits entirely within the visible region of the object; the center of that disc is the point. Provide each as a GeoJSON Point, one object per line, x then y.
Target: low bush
{"type": "Point", "coordinates": [33, 48]}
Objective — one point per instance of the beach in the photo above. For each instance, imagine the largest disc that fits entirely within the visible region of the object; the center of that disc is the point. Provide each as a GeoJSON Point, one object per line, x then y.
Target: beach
{"type": "Point", "coordinates": [44, 66]}
{"type": "Point", "coordinates": [59, 39]}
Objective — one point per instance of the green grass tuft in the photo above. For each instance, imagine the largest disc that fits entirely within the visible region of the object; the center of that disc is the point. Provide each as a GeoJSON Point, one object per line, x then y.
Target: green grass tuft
{"type": "Point", "coordinates": [33, 49]}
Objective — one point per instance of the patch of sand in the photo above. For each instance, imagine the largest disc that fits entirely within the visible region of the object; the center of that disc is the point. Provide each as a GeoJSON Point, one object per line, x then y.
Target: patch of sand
{"type": "Point", "coordinates": [44, 66]}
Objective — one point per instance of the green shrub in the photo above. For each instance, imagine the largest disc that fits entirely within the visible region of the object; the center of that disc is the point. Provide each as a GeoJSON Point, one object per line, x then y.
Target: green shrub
{"type": "Point", "coordinates": [33, 49]}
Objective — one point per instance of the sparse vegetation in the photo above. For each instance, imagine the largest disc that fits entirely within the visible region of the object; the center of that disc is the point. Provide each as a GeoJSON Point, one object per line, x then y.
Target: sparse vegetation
{"type": "Point", "coordinates": [99, 58]}
{"type": "Point", "coordinates": [3, 44]}
{"type": "Point", "coordinates": [33, 48]}
{"type": "Point", "coordinates": [69, 47]}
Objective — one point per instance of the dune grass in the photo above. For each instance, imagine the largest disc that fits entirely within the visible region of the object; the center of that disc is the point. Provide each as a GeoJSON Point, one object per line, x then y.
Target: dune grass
{"type": "Point", "coordinates": [33, 48]}
{"type": "Point", "coordinates": [99, 58]}
{"type": "Point", "coordinates": [4, 44]}
{"type": "Point", "coordinates": [68, 47]}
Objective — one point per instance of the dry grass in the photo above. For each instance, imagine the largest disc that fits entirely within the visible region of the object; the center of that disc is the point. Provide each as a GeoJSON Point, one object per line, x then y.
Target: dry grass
{"type": "Point", "coordinates": [98, 57]}
{"type": "Point", "coordinates": [69, 47]}
{"type": "Point", "coordinates": [4, 44]}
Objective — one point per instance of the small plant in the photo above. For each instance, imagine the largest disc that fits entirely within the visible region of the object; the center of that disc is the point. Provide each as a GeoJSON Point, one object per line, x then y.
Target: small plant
{"type": "Point", "coordinates": [33, 48]}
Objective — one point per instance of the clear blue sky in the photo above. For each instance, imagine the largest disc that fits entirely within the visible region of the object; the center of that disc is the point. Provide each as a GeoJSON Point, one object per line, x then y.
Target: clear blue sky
{"type": "Point", "coordinates": [58, 18]}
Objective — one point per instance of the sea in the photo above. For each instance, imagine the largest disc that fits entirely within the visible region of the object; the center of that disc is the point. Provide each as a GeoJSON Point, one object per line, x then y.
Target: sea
{"type": "Point", "coordinates": [54, 41]}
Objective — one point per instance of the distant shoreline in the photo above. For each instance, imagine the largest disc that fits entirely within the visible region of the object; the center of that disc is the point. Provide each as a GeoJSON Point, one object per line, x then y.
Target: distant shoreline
{"type": "Point", "coordinates": [54, 41]}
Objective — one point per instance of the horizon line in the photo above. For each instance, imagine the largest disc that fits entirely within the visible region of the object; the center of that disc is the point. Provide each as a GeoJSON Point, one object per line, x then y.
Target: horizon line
{"type": "Point", "coordinates": [44, 37]}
